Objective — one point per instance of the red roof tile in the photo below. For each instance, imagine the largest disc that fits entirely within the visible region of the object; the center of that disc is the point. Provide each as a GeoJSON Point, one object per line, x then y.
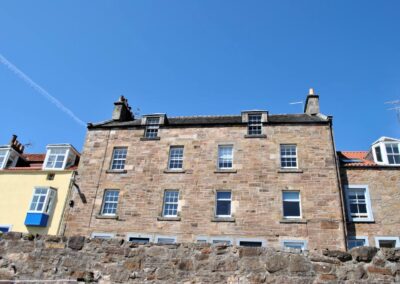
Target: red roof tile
{"type": "Point", "coordinates": [355, 159]}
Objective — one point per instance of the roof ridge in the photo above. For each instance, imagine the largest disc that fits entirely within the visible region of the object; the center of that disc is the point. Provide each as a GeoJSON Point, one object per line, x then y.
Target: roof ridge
{"type": "Point", "coordinates": [188, 116]}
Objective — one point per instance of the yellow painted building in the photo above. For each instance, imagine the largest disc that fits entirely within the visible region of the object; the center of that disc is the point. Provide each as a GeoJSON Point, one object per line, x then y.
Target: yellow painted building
{"type": "Point", "coordinates": [35, 188]}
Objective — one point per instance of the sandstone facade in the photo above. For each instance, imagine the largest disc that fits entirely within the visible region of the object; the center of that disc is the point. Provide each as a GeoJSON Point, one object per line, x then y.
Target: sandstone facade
{"type": "Point", "coordinates": [256, 182]}
{"type": "Point", "coordinates": [384, 189]}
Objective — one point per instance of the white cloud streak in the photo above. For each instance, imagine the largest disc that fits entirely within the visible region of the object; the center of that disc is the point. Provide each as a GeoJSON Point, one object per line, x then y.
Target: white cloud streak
{"type": "Point", "coordinates": [40, 90]}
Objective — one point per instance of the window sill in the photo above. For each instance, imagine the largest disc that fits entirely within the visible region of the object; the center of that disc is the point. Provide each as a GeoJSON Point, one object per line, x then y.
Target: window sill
{"type": "Point", "coordinates": [225, 171]}
{"type": "Point", "coordinates": [116, 171]}
{"type": "Point", "coordinates": [167, 171]}
{"type": "Point", "coordinates": [149, 139]}
{"type": "Point", "coordinates": [160, 218]}
{"type": "Point", "coordinates": [223, 219]}
{"type": "Point", "coordinates": [115, 217]}
{"type": "Point", "coordinates": [255, 136]}
{"type": "Point", "coordinates": [293, 221]}
{"type": "Point", "coordinates": [360, 221]}
{"type": "Point", "coordinates": [282, 171]}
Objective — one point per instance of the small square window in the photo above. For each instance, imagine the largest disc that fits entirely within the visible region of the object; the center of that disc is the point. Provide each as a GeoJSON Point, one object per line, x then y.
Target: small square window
{"type": "Point", "coordinates": [393, 154]}
{"type": "Point", "coordinates": [42, 200]}
{"type": "Point", "coordinates": [56, 158]}
{"type": "Point", "coordinates": [175, 158]}
{"type": "Point", "coordinates": [171, 199]}
{"type": "Point", "coordinates": [110, 202]}
{"type": "Point", "coordinates": [288, 156]}
{"type": "Point", "coordinates": [387, 242]}
{"type": "Point", "coordinates": [254, 126]}
{"type": "Point", "coordinates": [291, 204]}
{"type": "Point", "coordinates": [358, 203]}
{"type": "Point", "coordinates": [119, 158]}
{"type": "Point", "coordinates": [298, 245]}
{"type": "Point", "coordinates": [225, 157]}
{"type": "Point", "coordinates": [152, 126]}
{"type": "Point", "coordinates": [223, 204]}
{"type": "Point", "coordinates": [138, 240]}
{"type": "Point", "coordinates": [353, 242]}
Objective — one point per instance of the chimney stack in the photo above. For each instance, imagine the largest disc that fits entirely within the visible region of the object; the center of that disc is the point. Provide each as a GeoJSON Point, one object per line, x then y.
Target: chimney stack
{"type": "Point", "coordinates": [312, 103]}
{"type": "Point", "coordinates": [122, 110]}
{"type": "Point", "coordinates": [16, 145]}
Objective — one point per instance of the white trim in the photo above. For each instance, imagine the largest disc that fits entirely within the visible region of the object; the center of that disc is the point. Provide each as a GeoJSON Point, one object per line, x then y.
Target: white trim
{"type": "Point", "coordinates": [387, 238]}
{"type": "Point", "coordinates": [216, 204]}
{"type": "Point", "coordinates": [260, 240]}
{"type": "Point", "coordinates": [48, 152]}
{"type": "Point", "coordinates": [354, 238]}
{"type": "Point", "coordinates": [165, 203]}
{"type": "Point", "coordinates": [9, 226]}
{"type": "Point", "coordinates": [46, 201]}
{"type": "Point", "coordinates": [303, 242]}
{"type": "Point", "coordinates": [381, 143]}
{"type": "Point", "coordinates": [233, 156]}
{"type": "Point", "coordinates": [214, 240]}
{"type": "Point", "coordinates": [292, 217]}
{"type": "Point", "coordinates": [158, 237]}
{"type": "Point", "coordinates": [139, 235]}
{"type": "Point", "coordinates": [104, 203]}
{"type": "Point", "coordinates": [367, 200]}
{"type": "Point", "coordinates": [98, 235]}
{"type": "Point", "coordinates": [280, 156]}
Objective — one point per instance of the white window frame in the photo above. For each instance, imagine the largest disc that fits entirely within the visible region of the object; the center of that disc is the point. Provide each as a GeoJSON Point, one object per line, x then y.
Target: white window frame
{"type": "Point", "coordinates": [347, 189]}
{"type": "Point", "coordinates": [218, 156]}
{"type": "Point", "coordinates": [170, 158]}
{"type": "Point", "coordinates": [118, 159]}
{"type": "Point", "coordinates": [303, 242]}
{"type": "Point", "coordinates": [48, 203]}
{"type": "Point", "coordinates": [165, 203]}
{"type": "Point", "coordinates": [149, 126]}
{"type": "Point", "coordinates": [9, 226]}
{"type": "Point", "coordinates": [384, 154]}
{"type": "Point", "coordinates": [259, 240]}
{"type": "Point", "coordinates": [288, 156]}
{"type": "Point", "coordinates": [355, 238]}
{"type": "Point", "coordinates": [106, 236]}
{"type": "Point", "coordinates": [48, 154]}
{"type": "Point", "coordinates": [104, 203]}
{"type": "Point", "coordinates": [6, 155]}
{"type": "Point", "coordinates": [292, 200]}
{"type": "Point", "coordinates": [141, 236]}
{"type": "Point", "coordinates": [158, 237]}
{"type": "Point", "coordinates": [216, 239]}
{"type": "Point", "coordinates": [216, 204]}
{"type": "Point", "coordinates": [387, 238]}
{"type": "Point", "coordinates": [253, 124]}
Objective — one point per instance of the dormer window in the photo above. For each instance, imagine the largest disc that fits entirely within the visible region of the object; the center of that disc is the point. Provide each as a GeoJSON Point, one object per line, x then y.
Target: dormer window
{"type": "Point", "coordinates": [152, 126]}
{"type": "Point", "coordinates": [386, 151]}
{"type": "Point", "coordinates": [59, 157]}
{"type": "Point", "coordinates": [8, 158]}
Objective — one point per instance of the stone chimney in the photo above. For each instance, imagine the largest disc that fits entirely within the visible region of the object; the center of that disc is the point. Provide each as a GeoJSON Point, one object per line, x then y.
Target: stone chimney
{"type": "Point", "coordinates": [16, 145]}
{"type": "Point", "coordinates": [312, 103]}
{"type": "Point", "coordinates": [122, 110]}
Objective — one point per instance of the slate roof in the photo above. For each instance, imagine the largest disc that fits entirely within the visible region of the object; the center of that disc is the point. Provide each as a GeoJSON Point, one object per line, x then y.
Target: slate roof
{"type": "Point", "coordinates": [215, 120]}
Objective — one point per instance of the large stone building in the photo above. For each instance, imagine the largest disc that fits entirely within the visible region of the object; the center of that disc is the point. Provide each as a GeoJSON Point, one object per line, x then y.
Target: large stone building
{"type": "Point", "coordinates": [254, 179]}
{"type": "Point", "coordinates": [371, 187]}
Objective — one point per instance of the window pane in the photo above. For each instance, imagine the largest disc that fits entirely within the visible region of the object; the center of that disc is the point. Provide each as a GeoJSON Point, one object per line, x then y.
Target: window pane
{"type": "Point", "coordinates": [378, 154]}
{"type": "Point", "coordinates": [152, 125]}
{"type": "Point", "coordinates": [176, 158]}
{"type": "Point", "coordinates": [291, 195]}
{"type": "Point", "coordinates": [294, 245]}
{"type": "Point", "coordinates": [165, 240]}
{"type": "Point", "coordinates": [288, 156]}
{"type": "Point", "coordinates": [110, 202]}
{"type": "Point", "coordinates": [254, 124]}
{"type": "Point", "coordinates": [4, 229]}
{"type": "Point", "coordinates": [224, 208]}
{"type": "Point", "coordinates": [291, 209]}
{"type": "Point", "coordinates": [224, 195]}
{"type": "Point", "coordinates": [250, 244]}
{"type": "Point", "coordinates": [225, 156]}
{"type": "Point", "coordinates": [119, 158]}
{"type": "Point", "coordinates": [356, 243]}
{"type": "Point", "coordinates": [228, 242]}
{"type": "Point", "coordinates": [171, 199]}
{"type": "Point", "coordinates": [387, 243]}
{"type": "Point", "coordinates": [139, 240]}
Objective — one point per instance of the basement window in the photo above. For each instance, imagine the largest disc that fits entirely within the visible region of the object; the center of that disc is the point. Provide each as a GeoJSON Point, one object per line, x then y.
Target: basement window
{"type": "Point", "coordinates": [357, 241]}
{"type": "Point", "coordinates": [294, 244]}
{"type": "Point", "coordinates": [165, 240]}
{"type": "Point", "coordinates": [387, 242]}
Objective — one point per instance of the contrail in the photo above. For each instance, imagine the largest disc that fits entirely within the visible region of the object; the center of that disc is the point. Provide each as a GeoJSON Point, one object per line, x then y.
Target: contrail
{"type": "Point", "coordinates": [40, 90]}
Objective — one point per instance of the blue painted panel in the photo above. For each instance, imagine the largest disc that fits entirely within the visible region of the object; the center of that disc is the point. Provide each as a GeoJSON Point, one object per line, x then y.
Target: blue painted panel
{"type": "Point", "coordinates": [36, 219]}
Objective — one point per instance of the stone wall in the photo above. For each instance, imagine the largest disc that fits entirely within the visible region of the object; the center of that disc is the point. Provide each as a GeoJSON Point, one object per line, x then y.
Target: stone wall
{"type": "Point", "coordinates": [256, 183]}
{"type": "Point", "coordinates": [26, 257]}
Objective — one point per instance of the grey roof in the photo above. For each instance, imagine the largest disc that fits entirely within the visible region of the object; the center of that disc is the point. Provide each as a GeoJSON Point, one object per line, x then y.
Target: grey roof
{"type": "Point", "coordinates": [215, 120]}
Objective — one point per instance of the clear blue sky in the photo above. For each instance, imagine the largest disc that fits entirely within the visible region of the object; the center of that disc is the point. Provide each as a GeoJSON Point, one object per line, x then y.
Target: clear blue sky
{"type": "Point", "coordinates": [199, 57]}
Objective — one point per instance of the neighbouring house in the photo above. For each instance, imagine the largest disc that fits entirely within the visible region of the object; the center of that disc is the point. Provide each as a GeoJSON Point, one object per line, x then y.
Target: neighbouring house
{"type": "Point", "coordinates": [35, 188]}
{"type": "Point", "coordinates": [371, 187]}
{"type": "Point", "coordinates": [252, 179]}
